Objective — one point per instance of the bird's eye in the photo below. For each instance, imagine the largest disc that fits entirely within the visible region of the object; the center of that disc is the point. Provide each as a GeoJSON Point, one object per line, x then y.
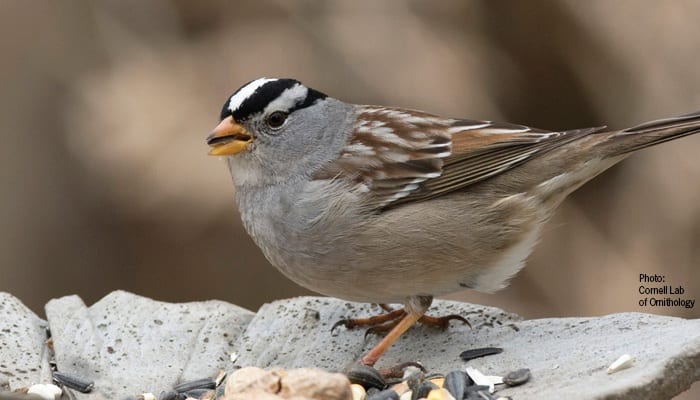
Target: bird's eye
{"type": "Point", "coordinates": [276, 119]}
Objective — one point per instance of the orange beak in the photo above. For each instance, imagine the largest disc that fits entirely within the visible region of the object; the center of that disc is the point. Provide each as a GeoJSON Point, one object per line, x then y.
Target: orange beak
{"type": "Point", "coordinates": [228, 138]}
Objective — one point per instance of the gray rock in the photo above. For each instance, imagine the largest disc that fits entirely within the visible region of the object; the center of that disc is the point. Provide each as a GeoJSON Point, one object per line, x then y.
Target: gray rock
{"type": "Point", "coordinates": [23, 358]}
{"type": "Point", "coordinates": [130, 344]}
{"type": "Point", "coordinates": [295, 333]}
{"type": "Point", "coordinates": [568, 357]}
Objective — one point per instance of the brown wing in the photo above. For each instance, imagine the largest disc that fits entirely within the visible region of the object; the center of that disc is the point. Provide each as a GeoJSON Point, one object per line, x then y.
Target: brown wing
{"type": "Point", "coordinates": [401, 156]}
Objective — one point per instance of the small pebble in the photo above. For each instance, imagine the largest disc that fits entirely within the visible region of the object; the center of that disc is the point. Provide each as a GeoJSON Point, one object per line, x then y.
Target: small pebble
{"type": "Point", "coordinates": [358, 392]}
{"type": "Point", "coordinates": [623, 362]}
{"type": "Point", "coordinates": [440, 394]}
{"type": "Point", "coordinates": [251, 379]}
{"type": "Point", "coordinates": [313, 383]}
{"type": "Point", "coordinates": [517, 377]}
{"type": "Point", "coordinates": [387, 394]}
{"type": "Point", "coordinates": [48, 392]}
{"type": "Point", "coordinates": [476, 353]}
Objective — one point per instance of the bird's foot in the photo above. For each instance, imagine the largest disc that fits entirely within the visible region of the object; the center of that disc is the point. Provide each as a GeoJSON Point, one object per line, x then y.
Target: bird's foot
{"type": "Point", "coordinates": [374, 321]}
{"type": "Point", "coordinates": [383, 323]}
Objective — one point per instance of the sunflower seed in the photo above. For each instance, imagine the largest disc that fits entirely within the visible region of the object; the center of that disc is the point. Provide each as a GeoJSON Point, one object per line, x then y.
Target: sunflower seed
{"type": "Point", "coordinates": [456, 383]}
{"type": "Point", "coordinates": [204, 383]}
{"type": "Point", "coordinates": [476, 353]}
{"type": "Point", "coordinates": [73, 382]}
{"type": "Point", "coordinates": [365, 376]}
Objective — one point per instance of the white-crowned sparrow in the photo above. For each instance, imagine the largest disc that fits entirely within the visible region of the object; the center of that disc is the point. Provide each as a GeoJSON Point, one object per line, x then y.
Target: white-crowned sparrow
{"type": "Point", "coordinates": [381, 204]}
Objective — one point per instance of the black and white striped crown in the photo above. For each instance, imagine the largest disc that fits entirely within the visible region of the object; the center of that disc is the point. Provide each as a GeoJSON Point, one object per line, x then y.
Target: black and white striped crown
{"type": "Point", "coordinates": [266, 95]}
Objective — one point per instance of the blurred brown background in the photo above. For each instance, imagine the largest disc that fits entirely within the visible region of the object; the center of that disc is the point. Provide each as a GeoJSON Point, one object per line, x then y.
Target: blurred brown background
{"type": "Point", "coordinates": [104, 107]}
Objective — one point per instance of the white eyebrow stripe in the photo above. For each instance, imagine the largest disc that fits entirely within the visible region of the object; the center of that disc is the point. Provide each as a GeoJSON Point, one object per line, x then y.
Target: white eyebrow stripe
{"type": "Point", "coordinates": [245, 92]}
{"type": "Point", "coordinates": [288, 99]}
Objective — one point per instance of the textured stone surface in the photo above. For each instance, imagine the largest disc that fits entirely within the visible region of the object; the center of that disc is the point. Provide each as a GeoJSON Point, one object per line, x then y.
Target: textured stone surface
{"type": "Point", "coordinates": [130, 344]}
{"type": "Point", "coordinates": [296, 333]}
{"type": "Point", "coordinates": [23, 356]}
{"type": "Point", "coordinates": [568, 357]}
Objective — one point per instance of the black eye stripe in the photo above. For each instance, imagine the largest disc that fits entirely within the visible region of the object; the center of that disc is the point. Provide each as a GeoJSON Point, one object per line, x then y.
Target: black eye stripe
{"type": "Point", "coordinates": [264, 95]}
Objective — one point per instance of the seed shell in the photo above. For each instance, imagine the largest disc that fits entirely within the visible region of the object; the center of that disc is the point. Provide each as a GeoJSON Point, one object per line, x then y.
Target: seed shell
{"type": "Point", "coordinates": [456, 383]}
{"type": "Point", "coordinates": [73, 382]}
{"type": "Point", "coordinates": [358, 392]}
{"type": "Point", "coordinates": [204, 383]}
{"type": "Point", "coordinates": [623, 362]}
{"type": "Point", "coordinates": [365, 376]}
{"type": "Point", "coordinates": [481, 352]}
